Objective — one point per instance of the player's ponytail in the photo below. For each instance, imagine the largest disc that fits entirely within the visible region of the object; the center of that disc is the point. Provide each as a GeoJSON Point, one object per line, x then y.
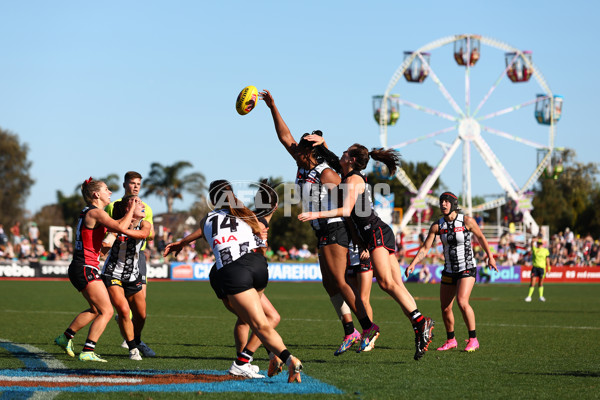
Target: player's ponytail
{"type": "Point", "coordinates": [221, 195]}
{"type": "Point", "coordinates": [361, 157]}
{"type": "Point", "coordinates": [389, 157]}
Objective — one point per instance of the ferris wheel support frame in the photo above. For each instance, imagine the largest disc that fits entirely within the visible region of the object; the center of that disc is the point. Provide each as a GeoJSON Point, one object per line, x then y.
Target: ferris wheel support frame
{"type": "Point", "coordinates": [499, 172]}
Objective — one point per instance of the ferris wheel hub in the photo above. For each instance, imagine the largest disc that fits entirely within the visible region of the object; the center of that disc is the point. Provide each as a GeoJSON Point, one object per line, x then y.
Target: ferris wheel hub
{"type": "Point", "coordinates": [469, 129]}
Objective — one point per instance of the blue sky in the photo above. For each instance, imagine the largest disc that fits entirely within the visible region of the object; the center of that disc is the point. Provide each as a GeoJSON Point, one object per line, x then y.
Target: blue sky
{"type": "Point", "coordinates": [104, 87]}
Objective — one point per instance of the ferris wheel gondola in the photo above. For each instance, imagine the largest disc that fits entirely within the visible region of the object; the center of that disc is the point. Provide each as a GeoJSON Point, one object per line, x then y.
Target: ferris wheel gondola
{"type": "Point", "coordinates": [466, 121]}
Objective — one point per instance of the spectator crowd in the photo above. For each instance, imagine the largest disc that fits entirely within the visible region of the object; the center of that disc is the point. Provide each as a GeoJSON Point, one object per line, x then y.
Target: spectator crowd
{"type": "Point", "coordinates": [566, 249]}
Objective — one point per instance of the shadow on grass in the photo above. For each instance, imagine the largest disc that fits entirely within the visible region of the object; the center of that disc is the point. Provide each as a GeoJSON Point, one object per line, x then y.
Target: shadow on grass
{"type": "Point", "coordinates": [577, 374]}
{"type": "Point", "coordinates": [330, 347]}
{"type": "Point", "coordinates": [551, 311]}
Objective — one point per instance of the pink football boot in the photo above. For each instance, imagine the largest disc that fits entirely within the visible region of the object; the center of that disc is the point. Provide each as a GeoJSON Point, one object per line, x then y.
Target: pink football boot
{"type": "Point", "coordinates": [450, 344]}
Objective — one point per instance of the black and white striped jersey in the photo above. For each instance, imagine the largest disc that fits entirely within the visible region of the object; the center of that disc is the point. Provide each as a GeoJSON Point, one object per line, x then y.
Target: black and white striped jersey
{"type": "Point", "coordinates": [123, 258]}
{"type": "Point", "coordinates": [458, 250]}
{"type": "Point", "coordinates": [315, 196]}
{"type": "Point", "coordinates": [229, 237]}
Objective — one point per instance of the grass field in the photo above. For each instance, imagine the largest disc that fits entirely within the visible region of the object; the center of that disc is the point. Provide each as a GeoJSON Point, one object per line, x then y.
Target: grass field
{"type": "Point", "coordinates": [528, 350]}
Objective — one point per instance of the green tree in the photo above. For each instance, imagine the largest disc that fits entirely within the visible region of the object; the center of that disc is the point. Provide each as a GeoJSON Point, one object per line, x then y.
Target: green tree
{"type": "Point", "coordinates": [275, 182]}
{"type": "Point", "coordinates": [15, 178]}
{"type": "Point", "coordinates": [588, 222]}
{"type": "Point", "coordinates": [71, 205]}
{"type": "Point", "coordinates": [570, 200]}
{"type": "Point", "coordinates": [112, 182]}
{"type": "Point", "coordinates": [49, 215]}
{"type": "Point", "coordinates": [417, 174]}
{"type": "Point", "coordinates": [288, 231]}
{"type": "Point", "coordinates": [167, 181]}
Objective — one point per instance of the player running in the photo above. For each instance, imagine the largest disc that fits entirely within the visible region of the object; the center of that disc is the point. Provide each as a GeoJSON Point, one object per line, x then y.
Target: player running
{"type": "Point", "coordinates": [233, 233]}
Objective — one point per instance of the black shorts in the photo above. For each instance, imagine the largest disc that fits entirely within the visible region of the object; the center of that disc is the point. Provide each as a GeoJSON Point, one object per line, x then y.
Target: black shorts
{"type": "Point", "coordinates": [130, 288]}
{"type": "Point", "coordinates": [379, 235]}
{"type": "Point", "coordinates": [214, 283]}
{"type": "Point", "coordinates": [539, 272]}
{"type": "Point", "coordinates": [142, 266]}
{"type": "Point", "coordinates": [355, 265]}
{"type": "Point", "coordinates": [450, 278]}
{"type": "Point", "coordinates": [250, 271]}
{"type": "Point", "coordinates": [333, 233]}
{"type": "Point", "coordinates": [81, 275]}
{"type": "Point", "coordinates": [355, 270]}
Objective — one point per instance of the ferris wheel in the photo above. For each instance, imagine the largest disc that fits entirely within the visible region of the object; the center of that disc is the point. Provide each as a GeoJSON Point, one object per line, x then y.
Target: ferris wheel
{"type": "Point", "coordinates": [465, 122]}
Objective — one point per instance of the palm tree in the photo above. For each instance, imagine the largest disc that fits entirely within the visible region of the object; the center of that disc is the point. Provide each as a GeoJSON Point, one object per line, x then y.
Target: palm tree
{"type": "Point", "coordinates": [166, 181]}
{"type": "Point", "coordinates": [112, 182]}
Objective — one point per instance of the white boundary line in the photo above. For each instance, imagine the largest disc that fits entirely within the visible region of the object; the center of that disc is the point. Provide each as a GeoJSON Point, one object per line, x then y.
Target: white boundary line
{"type": "Point", "coordinates": [46, 358]}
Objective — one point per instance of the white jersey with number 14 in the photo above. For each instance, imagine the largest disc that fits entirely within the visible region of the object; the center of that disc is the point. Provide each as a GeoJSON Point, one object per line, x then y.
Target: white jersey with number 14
{"type": "Point", "coordinates": [229, 237]}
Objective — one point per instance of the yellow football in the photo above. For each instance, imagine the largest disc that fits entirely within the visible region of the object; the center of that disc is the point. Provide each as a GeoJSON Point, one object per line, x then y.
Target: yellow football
{"type": "Point", "coordinates": [246, 100]}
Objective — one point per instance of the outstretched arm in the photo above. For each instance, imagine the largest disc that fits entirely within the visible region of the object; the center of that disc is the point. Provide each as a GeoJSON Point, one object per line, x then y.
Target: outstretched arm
{"type": "Point", "coordinates": [353, 187]}
{"type": "Point", "coordinates": [424, 249]}
{"type": "Point", "coordinates": [473, 226]}
{"type": "Point", "coordinates": [180, 244]}
{"type": "Point", "coordinates": [283, 132]}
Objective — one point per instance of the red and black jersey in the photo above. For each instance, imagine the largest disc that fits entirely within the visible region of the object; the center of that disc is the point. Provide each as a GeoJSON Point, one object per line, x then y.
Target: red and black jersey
{"type": "Point", "coordinates": [88, 242]}
{"type": "Point", "coordinates": [363, 214]}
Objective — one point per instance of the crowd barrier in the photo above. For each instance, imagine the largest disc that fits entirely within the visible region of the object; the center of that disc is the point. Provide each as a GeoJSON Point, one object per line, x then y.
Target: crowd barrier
{"type": "Point", "coordinates": [285, 272]}
{"type": "Point", "coordinates": [60, 269]}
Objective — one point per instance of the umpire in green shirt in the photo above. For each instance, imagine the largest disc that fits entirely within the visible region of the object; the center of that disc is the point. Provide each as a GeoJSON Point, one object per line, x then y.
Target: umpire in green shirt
{"type": "Point", "coordinates": [541, 264]}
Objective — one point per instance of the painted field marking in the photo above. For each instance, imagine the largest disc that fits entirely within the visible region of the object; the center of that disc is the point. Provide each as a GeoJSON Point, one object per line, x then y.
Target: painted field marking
{"type": "Point", "coordinates": [31, 356]}
{"type": "Point", "coordinates": [155, 381]}
{"type": "Point", "coordinates": [44, 377]}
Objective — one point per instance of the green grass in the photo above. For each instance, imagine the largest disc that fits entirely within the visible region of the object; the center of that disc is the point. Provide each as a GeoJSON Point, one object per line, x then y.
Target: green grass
{"type": "Point", "coordinates": [528, 350]}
